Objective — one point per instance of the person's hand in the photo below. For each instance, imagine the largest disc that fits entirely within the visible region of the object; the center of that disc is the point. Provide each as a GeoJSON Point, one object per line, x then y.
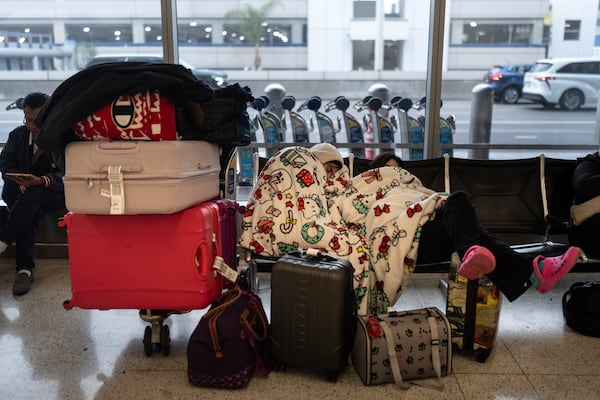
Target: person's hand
{"type": "Point", "coordinates": [29, 181]}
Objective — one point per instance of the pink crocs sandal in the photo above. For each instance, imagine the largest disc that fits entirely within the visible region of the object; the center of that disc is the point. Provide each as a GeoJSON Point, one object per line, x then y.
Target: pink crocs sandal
{"type": "Point", "coordinates": [477, 261]}
{"type": "Point", "coordinates": [555, 268]}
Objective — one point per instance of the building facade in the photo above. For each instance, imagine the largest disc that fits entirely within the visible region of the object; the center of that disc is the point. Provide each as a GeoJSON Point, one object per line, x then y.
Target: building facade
{"type": "Point", "coordinates": [301, 35]}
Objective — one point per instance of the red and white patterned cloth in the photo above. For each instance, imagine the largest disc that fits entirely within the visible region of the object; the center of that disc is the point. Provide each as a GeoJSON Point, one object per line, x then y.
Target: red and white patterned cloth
{"type": "Point", "coordinates": [373, 220]}
{"type": "Point", "coordinates": [141, 116]}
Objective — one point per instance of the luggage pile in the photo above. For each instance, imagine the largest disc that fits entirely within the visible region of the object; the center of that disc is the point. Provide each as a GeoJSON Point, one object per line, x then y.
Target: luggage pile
{"type": "Point", "coordinates": [148, 226]}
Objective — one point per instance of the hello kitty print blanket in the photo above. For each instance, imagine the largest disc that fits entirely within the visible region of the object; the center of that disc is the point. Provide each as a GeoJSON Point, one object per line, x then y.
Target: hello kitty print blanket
{"type": "Point", "coordinates": [374, 220]}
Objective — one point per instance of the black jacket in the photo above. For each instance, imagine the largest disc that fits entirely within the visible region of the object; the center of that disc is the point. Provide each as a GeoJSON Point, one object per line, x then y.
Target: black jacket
{"type": "Point", "coordinates": [16, 157]}
{"type": "Point", "coordinates": [92, 88]}
{"type": "Point", "coordinates": [586, 178]}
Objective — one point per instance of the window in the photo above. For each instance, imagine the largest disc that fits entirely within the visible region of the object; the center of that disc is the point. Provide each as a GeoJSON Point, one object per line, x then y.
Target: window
{"type": "Point", "coordinates": [364, 9]}
{"type": "Point", "coordinates": [515, 68]}
{"type": "Point", "coordinates": [572, 28]}
{"type": "Point", "coordinates": [392, 55]}
{"type": "Point", "coordinates": [363, 54]}
{"type": "Point", "coordinates": [152, 33]}
{"type": "Point", "coordinates": [474, 32]}
{"type": "Point", "coordinates": [277, 33]}
{"type": "Point", "coordinates": [99, 32]}
{"type": "Point", "coordinates": [572, 68]}
{"type": "Point", "coordinates": [194, 32]}
{"type": "Point", "coordinates": [580, 68]}
{"type": "Point", "coordinates": [271, 34]}
{"type": "Point", "coordinates": [37, 38]}
{"type": "Point", "coordinates": [590, 68]}
{"type": "Point", "coordinates": [26, 35]}
{"type": "Point", "coordinates": [393, 9]}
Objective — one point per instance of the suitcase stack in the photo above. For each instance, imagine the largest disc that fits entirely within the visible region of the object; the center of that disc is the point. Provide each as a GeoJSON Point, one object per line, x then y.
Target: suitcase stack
{"type": "Point", "coordinates": [145, 224]}
{"type": "Point", "coordinates": [313, 312]}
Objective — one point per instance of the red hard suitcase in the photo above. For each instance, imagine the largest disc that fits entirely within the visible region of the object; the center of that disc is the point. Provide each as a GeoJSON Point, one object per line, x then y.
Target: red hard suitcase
{"type": "Point", "coordinates": [147, 261]}
{"type": "Point", "coordinates": [313, 312]}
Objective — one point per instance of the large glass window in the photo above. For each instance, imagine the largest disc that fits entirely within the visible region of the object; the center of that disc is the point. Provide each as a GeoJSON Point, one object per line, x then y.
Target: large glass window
{"type": "Point", "coordinates": [343, 44]}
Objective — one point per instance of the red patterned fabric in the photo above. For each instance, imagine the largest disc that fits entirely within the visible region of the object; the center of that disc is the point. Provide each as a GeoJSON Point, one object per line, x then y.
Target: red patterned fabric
{"type": "Point", "coordinates": [142, 116]}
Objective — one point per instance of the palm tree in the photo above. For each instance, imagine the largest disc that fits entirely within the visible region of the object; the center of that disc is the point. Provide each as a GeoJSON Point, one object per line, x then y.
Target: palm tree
{"type": "Point", "coordinates": [252, 24]}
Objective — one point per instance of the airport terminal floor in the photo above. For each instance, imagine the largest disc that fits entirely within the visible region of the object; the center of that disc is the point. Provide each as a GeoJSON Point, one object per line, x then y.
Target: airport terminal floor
{"type": "Point", "coordinates": [50, 353]}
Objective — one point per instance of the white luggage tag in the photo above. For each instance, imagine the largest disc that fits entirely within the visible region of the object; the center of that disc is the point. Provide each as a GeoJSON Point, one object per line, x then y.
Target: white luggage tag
{"type": "Point", "coordinates": [222, 268]}
{"type": "Point", "coordinates": [116, 191]}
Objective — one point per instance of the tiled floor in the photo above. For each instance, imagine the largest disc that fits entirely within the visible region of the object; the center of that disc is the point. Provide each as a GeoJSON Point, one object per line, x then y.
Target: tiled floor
{"type": "Point", "coordinates": [49, 353]}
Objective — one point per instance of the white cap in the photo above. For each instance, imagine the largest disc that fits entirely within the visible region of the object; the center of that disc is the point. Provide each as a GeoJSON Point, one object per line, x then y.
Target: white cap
{"type": "Point", "coordinates": [326, 152]}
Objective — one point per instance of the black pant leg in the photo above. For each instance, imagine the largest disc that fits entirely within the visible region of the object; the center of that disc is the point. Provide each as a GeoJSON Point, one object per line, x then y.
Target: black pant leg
{"type": "Point", "coordinates": [513, 269]}
{"type": "Point", "coordinates": [434, 245]}
{"type": "Point", "coordinates": [459, 220]}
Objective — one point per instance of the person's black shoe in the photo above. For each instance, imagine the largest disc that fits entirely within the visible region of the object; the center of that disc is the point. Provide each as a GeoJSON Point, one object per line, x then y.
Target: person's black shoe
{"type": "Point", "coordinates": [22, 283]}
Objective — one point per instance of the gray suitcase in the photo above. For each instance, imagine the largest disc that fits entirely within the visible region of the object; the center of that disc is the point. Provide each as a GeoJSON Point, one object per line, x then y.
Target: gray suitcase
{"type": "Point", "coordinates": [313, 312]}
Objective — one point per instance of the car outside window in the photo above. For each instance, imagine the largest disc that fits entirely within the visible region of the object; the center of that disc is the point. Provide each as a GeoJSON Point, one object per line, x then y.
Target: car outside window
{"type": "Point", "coordinates": [521, 68]}
{"type": "Point", "coordinates": [572, 68]}
{"type": "Point", "coordinates": [540, 67]}
{"type": "Point", "coordinates": [591, 68]}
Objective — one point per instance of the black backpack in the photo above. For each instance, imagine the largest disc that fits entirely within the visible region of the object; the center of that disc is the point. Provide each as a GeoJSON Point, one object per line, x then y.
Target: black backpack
{"type": "Point", "coordinates": [581, 308]}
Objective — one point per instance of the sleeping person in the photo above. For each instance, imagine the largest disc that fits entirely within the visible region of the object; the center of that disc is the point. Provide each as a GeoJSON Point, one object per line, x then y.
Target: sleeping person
{"type": "Point", "coordinates": [380, 221]}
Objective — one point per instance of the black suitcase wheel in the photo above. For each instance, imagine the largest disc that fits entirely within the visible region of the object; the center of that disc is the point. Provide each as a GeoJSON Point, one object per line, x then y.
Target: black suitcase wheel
{"type": "Point", "coordinates": [279, 366]}
{"type": "Point", "coordinates": [481, 354]}
{"type": "Point", "coordinates": [148, 341]}
{"type": "Point", "coordinates": [455, 348]}
{"type": "Point", "coordinates": [165, 340]}
{"type": "Point", "coordinates": [333, 377]}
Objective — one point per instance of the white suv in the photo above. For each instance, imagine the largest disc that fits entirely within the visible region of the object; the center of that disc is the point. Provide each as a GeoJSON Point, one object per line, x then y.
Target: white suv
{"type": "Point", "coordinates": [569, 82]}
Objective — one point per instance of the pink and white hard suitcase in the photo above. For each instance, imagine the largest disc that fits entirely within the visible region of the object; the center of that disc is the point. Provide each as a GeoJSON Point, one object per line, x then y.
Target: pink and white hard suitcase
{"type": "Point", "coordinates": [153, 261]}
{"type": "Point", "coordinates": [140, 177]}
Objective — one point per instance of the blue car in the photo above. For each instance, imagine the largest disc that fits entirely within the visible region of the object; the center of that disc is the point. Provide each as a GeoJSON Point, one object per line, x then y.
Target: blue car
{"type": "Point", "coordinates": [507, 81]}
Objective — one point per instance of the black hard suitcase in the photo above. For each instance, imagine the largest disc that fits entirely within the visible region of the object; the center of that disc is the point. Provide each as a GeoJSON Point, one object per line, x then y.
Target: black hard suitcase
{"type": "Point", "coordinates": [473, 308]}
{"type": "Point", "coordinates": [313, 312]}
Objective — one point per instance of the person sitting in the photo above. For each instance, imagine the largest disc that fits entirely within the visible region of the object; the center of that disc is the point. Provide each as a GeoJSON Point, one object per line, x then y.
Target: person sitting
{"type": "Point", "coordinates": [585, 213]}
{"type": "Point", "coordinates": [455, 228]}
{"type": "Point", "coordinates": [32, 185]}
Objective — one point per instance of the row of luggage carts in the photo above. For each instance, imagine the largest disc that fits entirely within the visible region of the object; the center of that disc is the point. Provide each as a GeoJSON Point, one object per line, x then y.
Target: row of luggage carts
{"type": "Point", "coordinates": [370, 121]}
